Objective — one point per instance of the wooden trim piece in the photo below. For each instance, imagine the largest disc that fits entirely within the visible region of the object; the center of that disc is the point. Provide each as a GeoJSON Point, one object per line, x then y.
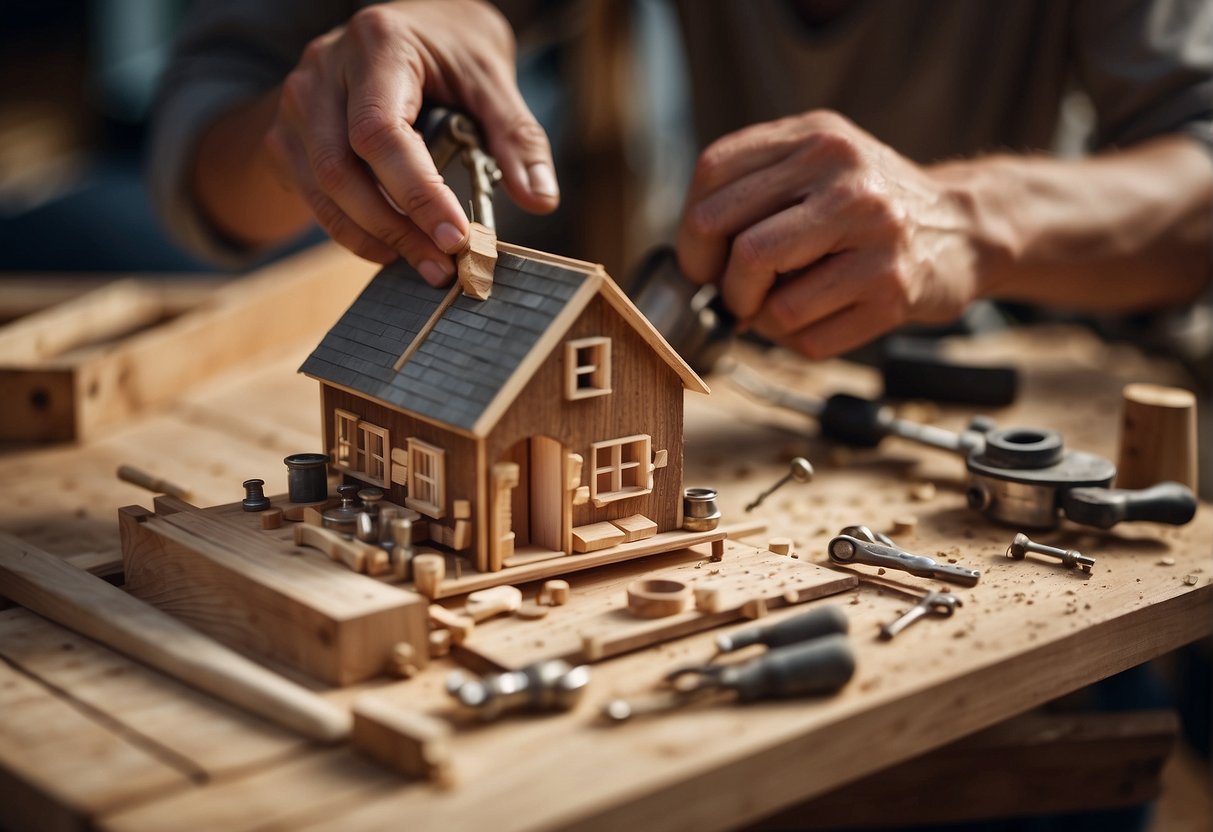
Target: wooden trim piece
{"type": "Point", "coordinates": [424, 332]}
{"type": "Point", "coordinates": [624, 306]}
{"type": "Point", "coordinates": [598, 370]}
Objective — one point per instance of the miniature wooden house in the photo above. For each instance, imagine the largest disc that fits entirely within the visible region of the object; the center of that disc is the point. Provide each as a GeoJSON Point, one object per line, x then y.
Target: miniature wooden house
{"type": "Point", "coordinates": [542, 422]}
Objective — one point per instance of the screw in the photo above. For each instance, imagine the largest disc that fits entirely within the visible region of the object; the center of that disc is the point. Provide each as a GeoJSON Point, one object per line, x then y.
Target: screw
{"type": "Point", "coordinates": [1022, 544]}
{"type": "Point", "coordinates": [801, 470]}
{"type": "Point", "coordinates": [254, 496]}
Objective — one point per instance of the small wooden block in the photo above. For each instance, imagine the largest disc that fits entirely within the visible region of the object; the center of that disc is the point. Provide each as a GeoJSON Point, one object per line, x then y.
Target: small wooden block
{"type": "Point", "coordinates": [756, 608]}
{"type": "Point", "coordinates": [428, 572]}
{"type": "Point", "coordinates": [532, 611]}
{"type": "Point", "coordinates": [271, 518]}
{"type": "Point", "coordinates": [904, 524]}
{"type": "Point", "coordinates": [400, 474]}
{"type": "Point", "coordinates": [461, 538]}
{"type": "Point", "coordinates": [408, 741]}
{"type": "Point", "coordinates": [378, 562]}
{"type": "Point", "coordinates": [440, 643]}
{"type": "Point", "coordinates": [459, 626]}
{"type": "Point", "coordinates": [403, 661]}
{"type": "Point", "coordinates": [476, 263]}
{"type": "Point", "coordinates": [555, 593]}
{"type": "Point", "coordinates": [709, 598]}
{"type": "Point", "coordinates": [636, 527]}
{"type": "Point", "coordinates": [780, 545]}
{"type": "Point", "coordinates": [581, 495]}
{"type": "Point", "coordinates": [312, 517]}
{"type": "Point", "coordinates": [487, 603]}
{"type": "Point", "coordinates": [400, 456]}
{"type": "Point", "coordinates": [462, 509]}
{"type": "Point", "coordinates": [595, 536]}
{"type": "Point", "coordinates": [661, 458]}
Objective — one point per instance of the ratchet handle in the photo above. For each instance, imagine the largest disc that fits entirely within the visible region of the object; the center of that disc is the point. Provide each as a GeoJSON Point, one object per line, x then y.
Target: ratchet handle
{"type": "Point", "coordinates": [1166, 502]}
{"type": "Point", "coordinates": [826, 621]}
{"type": "Point", "coordinates": [810, 668]}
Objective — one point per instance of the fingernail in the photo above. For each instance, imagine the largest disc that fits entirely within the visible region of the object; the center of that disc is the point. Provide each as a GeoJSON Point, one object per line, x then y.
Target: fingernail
{"type": "Point", "coordinates": [543, 179]}
{"type": "Point", "coordinates": [448, 237]}
{"type": "Point", "coordinates": [433, 273]}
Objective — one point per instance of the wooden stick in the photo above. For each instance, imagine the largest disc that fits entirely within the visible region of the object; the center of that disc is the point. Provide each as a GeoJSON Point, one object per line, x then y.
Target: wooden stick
{"type": "Point", "coordinates": [141, 478]}
{"type": "Point", "coordinates": [69, 596]}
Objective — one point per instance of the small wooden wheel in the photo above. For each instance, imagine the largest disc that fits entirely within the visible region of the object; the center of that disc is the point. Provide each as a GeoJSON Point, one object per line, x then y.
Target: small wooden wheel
{"type": "Point", "coordinates": [658, 597]}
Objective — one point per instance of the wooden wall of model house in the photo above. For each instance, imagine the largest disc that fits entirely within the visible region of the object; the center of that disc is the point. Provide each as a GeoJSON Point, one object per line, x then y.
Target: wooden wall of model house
{"type": "Point", "coordinates": [458, 469]}
{"type": "Point", "coordinates": [646, 398]}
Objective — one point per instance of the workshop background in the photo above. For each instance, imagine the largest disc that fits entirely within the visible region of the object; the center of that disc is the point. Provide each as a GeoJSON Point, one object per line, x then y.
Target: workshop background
{"type": "Point", "coordinates": [78, 81]}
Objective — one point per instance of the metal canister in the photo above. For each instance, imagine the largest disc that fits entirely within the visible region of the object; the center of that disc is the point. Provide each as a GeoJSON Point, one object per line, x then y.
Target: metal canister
{"type": "Point", "coordinates": [699, 510]}
{"type": "Point", "coordinates": [307, 477]}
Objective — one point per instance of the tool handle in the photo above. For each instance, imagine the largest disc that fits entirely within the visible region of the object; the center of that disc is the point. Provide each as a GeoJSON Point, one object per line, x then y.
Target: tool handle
{"type": "Point", "coordinates": [826, 621]}
{"type": "Point", "coordinates": [810, 668]}
{"type": "Point", "coordinates": [854, 421]}
{"type": "Point", "coordinates": [1166, 502]}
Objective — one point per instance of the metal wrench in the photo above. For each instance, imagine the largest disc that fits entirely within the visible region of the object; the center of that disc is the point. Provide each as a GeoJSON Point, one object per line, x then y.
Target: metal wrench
{"type": "Point", "coordinates": [849, 550]}
{"type": "Point", "coordinates": [939, 603]}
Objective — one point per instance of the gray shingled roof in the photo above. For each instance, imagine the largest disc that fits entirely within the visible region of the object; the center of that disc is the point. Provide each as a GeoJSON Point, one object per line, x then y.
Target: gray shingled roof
{"type": "Point", "coordinates": [465, 359]}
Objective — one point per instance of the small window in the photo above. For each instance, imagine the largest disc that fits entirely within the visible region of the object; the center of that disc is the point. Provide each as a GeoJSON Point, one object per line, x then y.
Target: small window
{"type": "Point", "coordinates": [587, 368]}
{"type": "Point", "coordinates": [427, 480]}
{"type": "Point", "coordinates": [374, 454]}
{"type": "Point", "coordinates": [622, 469]}
{"type": "Point", "coordinates": [346, 439]}
{"type": "Point", "coordinates": [360, 448]}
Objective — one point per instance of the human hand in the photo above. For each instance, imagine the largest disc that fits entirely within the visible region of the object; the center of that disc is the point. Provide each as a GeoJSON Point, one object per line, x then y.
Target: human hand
{"type": "Point", "coordinates": [822, 238]}
{"type": "Point", "coordinates": [344, 127]}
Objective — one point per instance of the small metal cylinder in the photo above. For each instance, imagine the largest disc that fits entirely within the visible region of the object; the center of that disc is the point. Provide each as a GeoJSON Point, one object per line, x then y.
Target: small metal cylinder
{"type": "Point", "coordinates": [307, 477]}
{"type": "Point", "coordinates": [699, 509]}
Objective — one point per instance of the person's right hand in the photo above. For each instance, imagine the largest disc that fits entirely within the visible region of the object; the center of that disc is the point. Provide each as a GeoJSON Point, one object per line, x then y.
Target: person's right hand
{"type": "Point", "coordinates": [344, 127]}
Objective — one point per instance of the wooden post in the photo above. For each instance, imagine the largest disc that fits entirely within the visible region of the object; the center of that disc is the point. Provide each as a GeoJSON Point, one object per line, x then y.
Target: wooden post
{"type": "Point", "coordinates": [1157, 436]}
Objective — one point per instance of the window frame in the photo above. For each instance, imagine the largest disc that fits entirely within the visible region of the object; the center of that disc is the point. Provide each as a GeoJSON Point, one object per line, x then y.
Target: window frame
{"type": "Point", "coordinates": [426, 481]}
{"type": "Point", "coordinates": [597, 369]}
{"type": "Point", "coordinates": [383, 458]}
{"type": "Point", "coordinates": [345, 438]}
{"type": "Point", "coordinates": [619, 469]}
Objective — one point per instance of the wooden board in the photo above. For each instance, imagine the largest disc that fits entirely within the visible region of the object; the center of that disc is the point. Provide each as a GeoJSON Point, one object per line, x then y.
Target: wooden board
{"type": "Point", "coordinates": [1028, 632]}
{"type": "Point", "coordinates": [595, 623]}
{"type": "Point", "coordinates": [60, 393]}
{"type": "Point", "coordinates": [205, 737]}
{"type": "Point", "coordinates": [245, 588]}
{"type": "Point", "coordinates": [59, 768]}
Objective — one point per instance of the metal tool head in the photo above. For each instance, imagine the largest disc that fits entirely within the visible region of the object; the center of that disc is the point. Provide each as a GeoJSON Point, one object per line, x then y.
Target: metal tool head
{"type": "Point", "coordinates": [941, 603]}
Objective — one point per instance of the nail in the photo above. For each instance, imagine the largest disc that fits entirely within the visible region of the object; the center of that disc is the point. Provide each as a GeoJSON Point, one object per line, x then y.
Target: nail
{"type": "Point", "coordinates": [543, 180]}
{"type": "Point", "coordinates": [433, 272]}
{"type": "Point", "coordinates": [448, 237]}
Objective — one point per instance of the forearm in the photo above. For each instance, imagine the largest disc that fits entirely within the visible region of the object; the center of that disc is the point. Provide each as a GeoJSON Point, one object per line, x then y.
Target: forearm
{"type": "Point", "coordinates": [1124, 231]}
{"type": "Point", "coordinates": [234, 182]}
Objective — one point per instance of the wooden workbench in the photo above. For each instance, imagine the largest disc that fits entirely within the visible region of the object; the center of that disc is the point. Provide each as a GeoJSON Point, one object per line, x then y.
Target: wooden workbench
{"type": "Point", "coordinates": [88, 736]}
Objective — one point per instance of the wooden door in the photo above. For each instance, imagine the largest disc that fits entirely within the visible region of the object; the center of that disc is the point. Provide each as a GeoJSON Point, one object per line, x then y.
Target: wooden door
{"type": "Point", "coordinates": [547, 494]}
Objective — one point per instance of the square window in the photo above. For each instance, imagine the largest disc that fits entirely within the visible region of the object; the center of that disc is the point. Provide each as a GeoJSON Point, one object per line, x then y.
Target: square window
{"type": "Point", "coordinates": [587, 368]}
{"type": "Point", "coordinates": [622, 469]}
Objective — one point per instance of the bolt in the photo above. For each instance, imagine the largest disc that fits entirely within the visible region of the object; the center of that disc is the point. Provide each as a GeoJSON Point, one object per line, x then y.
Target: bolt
{"type": "Point", "coordinates": [801, 470]}
{"type": "Point", "coordinates": [254, 496]}
{"type": "Point", "coordinates": [1022, 544]}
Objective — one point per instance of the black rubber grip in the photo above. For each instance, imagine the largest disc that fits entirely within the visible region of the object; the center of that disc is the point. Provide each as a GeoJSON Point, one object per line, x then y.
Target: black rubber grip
{"type": "Point", "coordinates": [811, 668]}
{"type": "Point", "coordinates": [826, 621]}
{"type": "Point", "coordinates": [914, 368]}
{"type": "Point", "coordinates": [1166, 502]}
{"type": "Point", "coordinates": [851, 420]}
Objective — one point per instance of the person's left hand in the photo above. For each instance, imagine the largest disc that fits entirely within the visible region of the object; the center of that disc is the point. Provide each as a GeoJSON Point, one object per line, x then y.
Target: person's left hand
{"type": "Point", "coordinates": [822, 238]}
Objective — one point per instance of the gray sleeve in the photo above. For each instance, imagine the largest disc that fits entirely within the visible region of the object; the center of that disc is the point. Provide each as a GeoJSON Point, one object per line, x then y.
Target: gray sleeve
{"type": "Point", "coordinates": [227, 52]}
{"type": "Point", "coordinates": [1148, 68]}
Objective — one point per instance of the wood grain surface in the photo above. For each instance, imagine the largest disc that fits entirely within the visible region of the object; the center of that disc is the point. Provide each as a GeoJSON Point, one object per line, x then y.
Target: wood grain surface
{"type": "Point", "coordinates": [1029, 632]}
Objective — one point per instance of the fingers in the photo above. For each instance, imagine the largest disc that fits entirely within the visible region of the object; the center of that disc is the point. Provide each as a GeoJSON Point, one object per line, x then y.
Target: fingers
{"type": "Point", "coordinates": [520, 146]}
{"type": "Point", "coordinates": [786, 242]}
{"type": "Point", "coordinates": [842, 331]}
{"type": "Point", "coordinates": [384, 94]}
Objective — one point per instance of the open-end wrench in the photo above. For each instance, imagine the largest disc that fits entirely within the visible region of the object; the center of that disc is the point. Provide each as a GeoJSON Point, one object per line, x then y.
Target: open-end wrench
{"type": "Point", "coordinates": [939, 603]}
{"type": "Point", "coordinates": [849, 550]}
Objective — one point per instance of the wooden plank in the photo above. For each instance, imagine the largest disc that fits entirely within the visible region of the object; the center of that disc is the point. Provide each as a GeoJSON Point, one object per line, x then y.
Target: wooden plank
{"type": "Point", "coordinates": [210, 736]}
{"type": "Point", "coordinates": [306, 788]}
{"type": "Point", "coordinates": [23, 295]}
{"type": "Point", "coordinates": [534, 571]}
{"type": "Point", "coordinates": [59, 767]}
{"type": "Point", "coordinates": [595, 624]}
{"type": "Point", "coordinates": [236, 585]}
{"type": "Point", "coordinates": [89, 605]}
{"type": "Point", "coordinates": [402, 738]}
{"type": "Point", "coordinates": [635, 527]}
{"type": "Point", "coordinates": [1062, 763]}
{"type": "Point", "coordinates": [246, 318]}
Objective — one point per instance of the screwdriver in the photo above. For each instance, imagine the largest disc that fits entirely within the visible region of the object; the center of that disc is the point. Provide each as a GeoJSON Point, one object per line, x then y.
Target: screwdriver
{"type": "Point", "coordinates": [826, 621]}
{"type": "Point", "coordinates": [859, 422]}
{"type": "Point", "coordinates": [808, 668]}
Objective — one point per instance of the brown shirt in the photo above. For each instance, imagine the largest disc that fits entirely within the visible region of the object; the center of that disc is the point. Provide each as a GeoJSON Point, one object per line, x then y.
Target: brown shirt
{"type": "Point", "coordinates": [942, 78]}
